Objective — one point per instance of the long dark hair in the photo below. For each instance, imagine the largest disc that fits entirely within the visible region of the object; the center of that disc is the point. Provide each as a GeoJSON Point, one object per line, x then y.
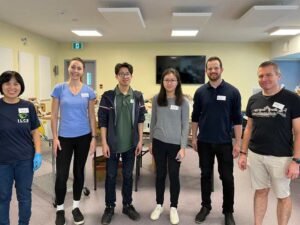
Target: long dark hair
{"type": "Point", "coordinates": [162, 95]}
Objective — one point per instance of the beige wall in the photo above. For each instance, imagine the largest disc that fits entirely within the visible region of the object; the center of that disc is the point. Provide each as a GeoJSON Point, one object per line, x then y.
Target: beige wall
{"type": "Point", "coordinates": [37, 45]}
{"type": "Point", "coordinates": [285, 46]}
{"type": "Point", "coordinates": [240, 59]}
{"type": "Point", "coordinates": [240, 62]}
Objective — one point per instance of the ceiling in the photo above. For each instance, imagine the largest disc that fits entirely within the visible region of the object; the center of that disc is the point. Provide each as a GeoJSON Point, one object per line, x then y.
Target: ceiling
{"type": "Point", "coordinates": [217, 20]}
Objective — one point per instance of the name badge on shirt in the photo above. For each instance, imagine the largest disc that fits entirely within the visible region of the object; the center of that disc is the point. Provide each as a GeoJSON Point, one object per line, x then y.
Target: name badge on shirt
{"type": "Point", "coordinates": [131, 101]}
{"type": "Point", "coordinates": [23, 110]}
{"type": "Point", "coordinates": [221, 97]}
{"type": "Point", "coordinates": [174, 107]}
{"type": "Point", "coordinates": [85, 95]}
{"type": "Point", "coordinates": [278, 105]}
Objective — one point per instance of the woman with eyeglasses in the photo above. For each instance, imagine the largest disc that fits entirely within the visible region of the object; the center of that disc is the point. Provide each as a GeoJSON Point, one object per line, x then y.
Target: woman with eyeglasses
{"type": "Point", "coordinates": [168, 134]}
{"type": "Point", "coordinates": [76, 135]}
{"type": "Point", "coordinates": [20, 147]}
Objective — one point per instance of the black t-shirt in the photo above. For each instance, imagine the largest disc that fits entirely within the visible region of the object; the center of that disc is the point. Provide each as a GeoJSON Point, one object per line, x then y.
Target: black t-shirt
{"type": "Point", "coordinates": [16, 123]}
{"type": "Point", "coordinates": [272, 122]}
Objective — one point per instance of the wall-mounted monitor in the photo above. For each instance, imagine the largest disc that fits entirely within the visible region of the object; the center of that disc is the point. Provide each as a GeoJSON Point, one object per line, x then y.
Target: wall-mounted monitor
{"type": "Point", "coordinates": [190, 68]}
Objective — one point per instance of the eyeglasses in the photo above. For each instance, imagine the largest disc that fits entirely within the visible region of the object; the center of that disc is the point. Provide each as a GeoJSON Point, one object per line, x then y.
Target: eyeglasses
{"type": "Point", "coordinates": [170, 81]}
{"type": "Point", "coordinates": [124, 74]}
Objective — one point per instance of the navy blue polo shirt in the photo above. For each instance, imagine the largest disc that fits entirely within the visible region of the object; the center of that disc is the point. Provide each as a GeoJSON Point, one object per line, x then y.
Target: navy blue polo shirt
{"type": "Point", "coordinates": [216, 110]}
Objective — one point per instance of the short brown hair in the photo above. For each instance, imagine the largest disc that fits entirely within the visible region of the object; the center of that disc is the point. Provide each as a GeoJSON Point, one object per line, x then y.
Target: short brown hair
{"type": "Point", "coordinates": [214, 58]}
{"type": "Point", "coordinates": [270, 63]}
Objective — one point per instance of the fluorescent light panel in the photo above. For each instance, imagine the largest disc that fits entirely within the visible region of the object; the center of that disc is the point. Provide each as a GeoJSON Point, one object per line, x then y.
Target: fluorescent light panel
{"type": "Point", "coordinates": [285, 31]}
{"type": "Point", "coordinates": [184, 33]}
{"type": "Point", "coordinates": [87, 33]}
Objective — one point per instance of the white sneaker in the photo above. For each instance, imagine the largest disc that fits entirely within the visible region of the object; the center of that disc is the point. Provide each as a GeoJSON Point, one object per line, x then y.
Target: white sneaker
{"type": "Point", "coordinates": [174, 218]}
{"type": "Point", "coordinates": [156, 212]}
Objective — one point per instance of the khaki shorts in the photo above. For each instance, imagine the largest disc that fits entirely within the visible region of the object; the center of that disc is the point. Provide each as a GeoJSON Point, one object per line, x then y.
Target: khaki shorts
{"type": "Point", "coordinates": [269, 172]}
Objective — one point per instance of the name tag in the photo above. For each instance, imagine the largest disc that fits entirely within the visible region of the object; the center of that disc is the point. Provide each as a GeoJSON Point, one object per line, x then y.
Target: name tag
{"type": "Point", "coordinates": [23, 110]}
{"type": "Point", "coordinates": [174, 107]}
{"type": "Point", "coordinates": [85, 95]}
{"type": "Point", "coordinates": [221, 97]}
{"type": "Point", "coordinates": [278, 105]}
{"type": "Point", "coordinates": [131, 101]}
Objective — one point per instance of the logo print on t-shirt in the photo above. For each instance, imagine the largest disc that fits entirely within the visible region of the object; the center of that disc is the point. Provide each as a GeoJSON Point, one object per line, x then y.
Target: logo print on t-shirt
{"type": "Point", "coordinates": [23, 118]}
{"type": "Point", "coordinates": [269, 112]}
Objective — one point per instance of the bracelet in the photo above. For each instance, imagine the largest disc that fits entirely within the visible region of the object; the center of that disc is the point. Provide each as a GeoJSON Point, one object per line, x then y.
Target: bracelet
{"type": "Point", "coordinates": [94, 136]}
{"type": "Point", "coordinates": [244, 153]}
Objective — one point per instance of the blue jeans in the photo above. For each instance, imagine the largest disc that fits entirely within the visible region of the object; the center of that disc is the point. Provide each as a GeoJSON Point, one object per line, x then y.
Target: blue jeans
{"type": "Point", "coordinates": [111, 175]}
{"type": "Point", "coordinates": [21, 172]}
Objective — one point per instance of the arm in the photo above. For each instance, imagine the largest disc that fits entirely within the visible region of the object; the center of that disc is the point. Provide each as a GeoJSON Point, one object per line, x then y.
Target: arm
{"type": "Point", "coordinates": [37, 160]}
{"type": "Point", "coordinates": [105, 147]}
{"type": "Point", "coordinates": [194, 135]}
{"type": "Point", "coordinates": [293, 169]}
{"type": "Point", "coordinates": [140, 143]}
{"type": "Point", "coordinates": [237, 124]}
{"type": "Point", "coordinates": [195, 120]}
{"type": "Point", "coordinates": [153, 121]}
{"type": "Point", "coordinates": [54, 121]}
{"type": "Point", "coordinates": [92, 118]}
{"type": "Point", "coordinates": [36, 140]}
{"type": "Point", "coordinates": [238, 140]}
{"type": "Point", "coordinates": [141, 119]}
{"type": "Point", "coordinates": [184, 128]}
{"type": "Point", "coordinates": [247, 136]}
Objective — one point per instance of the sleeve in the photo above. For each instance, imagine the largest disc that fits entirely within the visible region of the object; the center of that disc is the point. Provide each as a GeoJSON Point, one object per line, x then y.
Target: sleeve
{"type": "Point", "coordinates": [248, 108]}
{"type": "Point", "coordinates": [56, 93]}
{"type": "Point", "coordinates": [92, 94]}
{"type": "Point", "coordinates": [236, 110]}
{"type": "Point", "coordinates": [295, 113]}
{"type": "Point", "coordinates": [196, 107]}
{"type": "Point", "coordinates": [153, 116]}
{"type": "Point", "coordinates": [185, 109]}
{"type": "Point", "coordinates": [103, 112]}
{"type": "Point", "coordinates": [34, 120]}
{"type": "Point", "coordinates": [142, 110]}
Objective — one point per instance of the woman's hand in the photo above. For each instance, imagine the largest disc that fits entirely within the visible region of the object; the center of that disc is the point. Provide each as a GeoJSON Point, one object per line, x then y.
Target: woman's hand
{"type": "Point", "coordinates": [93, 146]}
{"type": "Point", "coordinates": [56, 145]}
{"type": "Point", "coordinates": [150, 148]}
{"type": "Point", "coordinates": [180, 154]}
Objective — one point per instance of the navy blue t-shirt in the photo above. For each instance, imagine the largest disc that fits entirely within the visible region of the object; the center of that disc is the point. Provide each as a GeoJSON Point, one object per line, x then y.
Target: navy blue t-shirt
{"type": "Point", "coordinates": [216, 110]}
{"type": "Point", "coordinates": [16, 123]}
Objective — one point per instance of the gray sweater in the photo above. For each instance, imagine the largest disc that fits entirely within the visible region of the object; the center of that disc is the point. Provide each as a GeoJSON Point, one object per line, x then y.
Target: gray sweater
{"type": "Point", "coordinates": [170, 124]}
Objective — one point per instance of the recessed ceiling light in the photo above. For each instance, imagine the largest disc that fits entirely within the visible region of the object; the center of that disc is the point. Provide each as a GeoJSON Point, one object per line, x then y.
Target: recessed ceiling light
{"type": "Point", "coordinates": [285, 31]}
{"type": "Point", "coordinates": [184, 33]}
{"type": "Point", "coordinates": [87, 33]}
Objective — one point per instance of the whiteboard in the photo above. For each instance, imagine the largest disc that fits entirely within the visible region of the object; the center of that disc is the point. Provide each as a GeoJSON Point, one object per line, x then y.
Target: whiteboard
{"type": "Point", "coordinates": [26, 69]}
{"type": "Point", "coordinates": [44, 77]}
{"type": "Point", "coordinates": [6, 59]}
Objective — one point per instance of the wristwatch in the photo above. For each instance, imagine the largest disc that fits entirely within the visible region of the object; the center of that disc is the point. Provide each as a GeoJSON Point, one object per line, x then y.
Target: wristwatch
{"type": "Point", "coordinates": [297, 160]}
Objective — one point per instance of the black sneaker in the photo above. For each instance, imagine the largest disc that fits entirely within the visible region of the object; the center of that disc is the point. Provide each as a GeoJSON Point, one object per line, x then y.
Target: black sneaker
{"type": "Point", "coordinates": [107, 215]}
{"type": "Point", "coordinates": [60, 217]}
{"type": "Point", "coordinates": [229, 220]}
{"type": "Point", "coordinates": [130, 211]}
{"type": "Point", "coordinates": [201, 216]}
{"type": "Point", "coordinates": [77, 216]}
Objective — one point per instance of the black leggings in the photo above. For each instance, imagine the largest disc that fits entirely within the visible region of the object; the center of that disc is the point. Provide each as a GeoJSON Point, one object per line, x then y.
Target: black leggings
{"type": "Point", "coordinates": [80, 146]}
{"type": "Point", "coordinates": [164, 156]}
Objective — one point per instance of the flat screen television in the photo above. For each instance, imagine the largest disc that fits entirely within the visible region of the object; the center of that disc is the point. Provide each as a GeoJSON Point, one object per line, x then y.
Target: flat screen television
{"type": "Point", "coordinates": [190, 68]}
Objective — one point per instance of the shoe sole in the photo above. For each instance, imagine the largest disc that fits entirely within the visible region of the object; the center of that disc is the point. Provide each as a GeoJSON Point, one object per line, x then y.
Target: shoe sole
{"type": "Point", "coordinates": [137, 219]}
{"type": "Point", "coordinates": [79, 222]}
{"type": "Point", "coordinates": [157, 217]}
